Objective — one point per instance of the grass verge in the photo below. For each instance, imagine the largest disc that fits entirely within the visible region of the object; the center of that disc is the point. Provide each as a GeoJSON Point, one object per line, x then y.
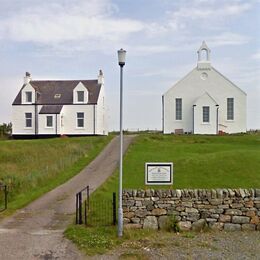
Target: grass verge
{"type": "Point", "coordinates": [34, 167]}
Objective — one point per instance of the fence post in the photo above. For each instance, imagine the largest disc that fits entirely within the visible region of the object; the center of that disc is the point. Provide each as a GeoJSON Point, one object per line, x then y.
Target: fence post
{"type": "Point", "coordinates": [80, 208]}
{"type": "Point", "coordinates": [88, 196]}
{"type": "Point", "coordinates": [77, 208]}
{"type": "Point", "coordinates": [85, 212]}
{"type": "Point", "coordinates": [114, 208]}
{"type": "Point", "coordinates": [5, 197]}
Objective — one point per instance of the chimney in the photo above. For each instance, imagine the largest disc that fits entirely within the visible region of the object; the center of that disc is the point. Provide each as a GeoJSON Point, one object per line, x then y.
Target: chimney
{"type": "Point", "coordinates": [27, 78]}
{"type": "Point", "coordinates": [101, 77]}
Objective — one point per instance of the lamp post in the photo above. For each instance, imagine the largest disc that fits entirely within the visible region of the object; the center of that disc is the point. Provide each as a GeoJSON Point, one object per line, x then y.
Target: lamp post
{"type": "Point", "coordinates": [121, 61]}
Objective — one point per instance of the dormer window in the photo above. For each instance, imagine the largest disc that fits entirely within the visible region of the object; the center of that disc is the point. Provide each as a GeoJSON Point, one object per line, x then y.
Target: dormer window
{"type": "Point", "coordinates": [56, 96]}
{"type": "Point", "coordinates": [80, 96]}
{"type": "Point", "coordinates": [28, 96]}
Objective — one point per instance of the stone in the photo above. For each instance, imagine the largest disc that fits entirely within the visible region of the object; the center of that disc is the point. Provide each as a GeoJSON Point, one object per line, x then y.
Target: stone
{"type": "Point", "coordinates": [233, 212]}
{"type": "Point", "coordinates": [240, 220]}
{"type": "Point", "coordinates": [138, 203]}
{"type": "Point", "coordinates": [250, 213]}
{"type": "Point", "coordinates": [159, 212]}
{"type": "Point", "coordinates": [255, 220]}
{"type": "Point", "coordinates": [154, 198]}
{"type": "Point", "coordinates": [185, 225]}
{"type": "Point", "coordinates": [211, 220]}
{"type": "Point", "coordinates": [129, 214]}
{"type": "Point", "coordinates": [135, 220]}
{"type": "Point", "coordinates": [199, 225]}
{"type": "Point", "coordinates": [191, 210]}
{"type": "Point", "coordinates": [257, 192]}
{"type": "Point", "coordinates": [248, 227]}
{"type": "Point", "coordinates": [141, 213]}
{"type": "Point", "coordinates": [187, 204]}
{"type": "Point", "coordinates": [193, 216]}
{"type": "Point", "coordinates": [178, 193]}
{"type": "Point", "coordinates": [162, 222]}
{"type": "Point", "coordinates": [132, 226]}
{"type": "Point", "coordinates": [150, 222]}
{"type": "Point", "coordinates": [215, 201]}
{"type": "Point", "coordinates": [258, 227]}
{"type": "Point", "coordinates": [216, 226]}
{"type": "Point", "coordinates": [129, 203]}
{"type": "Point", "coordinates": [249, 204]}
{"type": "Point", "coordinates": [147, 203]}
{"type": "Point", "coordinates": [224, 218]}
{"type": "Point", "coordinates": [232, 227]}
{"type": "Point", "coordinates": [236, 205]}
{"type": "Point", "coordinates": [126, 220]}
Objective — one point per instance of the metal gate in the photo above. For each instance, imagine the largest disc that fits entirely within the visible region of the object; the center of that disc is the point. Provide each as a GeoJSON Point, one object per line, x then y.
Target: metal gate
{"type": "Point", "coordinates": [100, 212]}
{"type": "Point", "coordinates": [3, 197]}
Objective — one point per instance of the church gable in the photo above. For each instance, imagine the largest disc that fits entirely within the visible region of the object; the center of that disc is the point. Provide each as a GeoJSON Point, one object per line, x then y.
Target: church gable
{"type": "Point", "coordinates": [210, 90]}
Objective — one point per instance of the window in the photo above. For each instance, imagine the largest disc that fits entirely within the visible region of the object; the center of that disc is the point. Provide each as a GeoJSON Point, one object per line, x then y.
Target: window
{"type": "Point", "coordinates": [56, 96]}
{"type": "Point", "coordinates": [230, 109]}
{"type": "Point", "coordinates": [80, 96]}
{"type": "Point", "coordinates": [28, 96]}
{"type": "Point", "coordinates": [49, 121]}
{"type": "Point", "coordinates": [205, 111]}
{"type": "Point", "coordinates": [178, 109]}
{"type": "Point", "coordinates": [28, 119]}
{"type": "Point", "coordinates": [80, 119]}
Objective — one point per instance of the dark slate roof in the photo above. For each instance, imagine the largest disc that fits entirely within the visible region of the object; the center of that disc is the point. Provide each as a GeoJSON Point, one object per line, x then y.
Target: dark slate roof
{"type": "Point", "coordinates": [48, 88]}
{"type": "Point", "coordinates": [51, 109]}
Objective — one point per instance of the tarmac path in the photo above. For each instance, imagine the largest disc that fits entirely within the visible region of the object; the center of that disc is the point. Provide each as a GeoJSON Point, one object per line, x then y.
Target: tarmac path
{"type": "Point", "coordinates": [36, 231]}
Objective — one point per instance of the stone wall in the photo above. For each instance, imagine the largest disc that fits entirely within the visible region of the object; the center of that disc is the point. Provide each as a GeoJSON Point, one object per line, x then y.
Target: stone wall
{"type": "Point", "coordinates": [228, 209]}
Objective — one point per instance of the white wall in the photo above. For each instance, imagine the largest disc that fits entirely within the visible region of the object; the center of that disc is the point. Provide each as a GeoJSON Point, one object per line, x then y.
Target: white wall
{"type": "Point", "coordinates": [28, 88]}
{"type": "Point", "coordinates": [80, 87]}
{"type": "Point", "coordinates": [194, 85]}
{"type": "Point", "coordinates": [18, 120]}
{"type": "Point", "coordinates": [69, 118]}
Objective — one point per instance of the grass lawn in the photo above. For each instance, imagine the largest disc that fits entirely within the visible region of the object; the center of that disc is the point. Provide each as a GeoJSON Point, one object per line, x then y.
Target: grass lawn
{"type": "Point", "coordinates": [33, 167]}
{"type": "Point", "coordinates": [230, 161]}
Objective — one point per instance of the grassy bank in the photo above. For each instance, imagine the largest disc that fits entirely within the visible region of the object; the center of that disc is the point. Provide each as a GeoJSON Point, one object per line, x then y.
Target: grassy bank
{"type": "Point", "coordinates": [199, 162]}
{"type": "Point", "coordinates": [33, 167]}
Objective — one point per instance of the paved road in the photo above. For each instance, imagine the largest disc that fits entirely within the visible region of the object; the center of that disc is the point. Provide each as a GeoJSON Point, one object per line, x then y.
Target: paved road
{"type": "Point", "coordinates": [36, 231]}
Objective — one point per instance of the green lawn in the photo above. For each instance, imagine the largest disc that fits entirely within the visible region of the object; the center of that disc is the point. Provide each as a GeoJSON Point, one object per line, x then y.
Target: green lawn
{"type": "Point", "coordinates": [199, 162]}
{"type": "Point", "coordinates": [33, 167]}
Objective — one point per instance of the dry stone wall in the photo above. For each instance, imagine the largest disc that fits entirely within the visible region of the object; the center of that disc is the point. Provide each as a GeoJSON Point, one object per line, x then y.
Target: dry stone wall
{"type": "Point", "coordinates": [228, 209]}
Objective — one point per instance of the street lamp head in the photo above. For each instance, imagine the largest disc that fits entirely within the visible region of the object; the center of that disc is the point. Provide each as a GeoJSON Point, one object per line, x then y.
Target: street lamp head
{"type": "Point", "coordinates": [121, 57]}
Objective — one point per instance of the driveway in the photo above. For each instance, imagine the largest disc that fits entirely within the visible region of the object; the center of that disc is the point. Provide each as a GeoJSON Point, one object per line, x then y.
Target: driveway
{"type": "Point", "coordinates": [36, 231]}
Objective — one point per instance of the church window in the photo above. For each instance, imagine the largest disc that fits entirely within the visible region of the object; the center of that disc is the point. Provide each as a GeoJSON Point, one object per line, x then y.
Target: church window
{"type": "Point", "coordinates": [205, 114]}
{"type": "Point", "coordinates": [178, 109]}
{"type": "Point", "coordinates": [230, 108]}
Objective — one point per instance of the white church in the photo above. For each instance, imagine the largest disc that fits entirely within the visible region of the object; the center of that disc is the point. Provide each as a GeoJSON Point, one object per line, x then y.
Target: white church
{"type": "Point", "coordinates": [204, 102]}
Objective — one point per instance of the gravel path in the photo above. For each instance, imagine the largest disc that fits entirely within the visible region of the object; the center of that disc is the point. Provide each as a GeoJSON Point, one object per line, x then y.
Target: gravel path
{"type": "Point", "coordinates": [36, 231]}
{"type": "Point", "coordinates": [208, 245]}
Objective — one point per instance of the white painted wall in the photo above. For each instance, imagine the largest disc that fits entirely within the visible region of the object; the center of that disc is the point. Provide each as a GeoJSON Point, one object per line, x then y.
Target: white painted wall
{"type": "Point", "coordinates": [18, 120]}
{"type": "Point", "coordinates": [80, 87]}
{"type": "Point", "coordinates": [28, 88]}
{"type": "Point", "coordinates": [195, 85]}
{"type": "Point", "coordinates": [69, 119]}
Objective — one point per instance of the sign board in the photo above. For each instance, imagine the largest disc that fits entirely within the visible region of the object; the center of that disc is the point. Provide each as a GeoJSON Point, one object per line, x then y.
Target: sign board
{"type": "Point", "coordinates": [158, 173]}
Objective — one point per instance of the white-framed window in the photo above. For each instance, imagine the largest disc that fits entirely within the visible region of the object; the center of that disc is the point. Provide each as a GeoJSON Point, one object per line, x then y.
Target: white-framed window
{"type": "Point", "coordinates": [28, 96]}
{"type": "Point", "coordinates": [49, 121]}
{"type": "Point", "coordinates": [205, 114]}
{"type": "Point", "coordinates": [80, 119]}
{"type": "Point", "coordinates": [178, 109]}
{"type": "Point", "coordinates": [80, 96]}
{"type": "Point", "coordinates": [28, 120]}
{"type": "Point", "coordinates": [230, 108]}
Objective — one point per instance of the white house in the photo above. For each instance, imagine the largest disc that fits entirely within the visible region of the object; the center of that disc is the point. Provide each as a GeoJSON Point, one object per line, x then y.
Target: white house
{"type": "Point", "coordinates": [59, 107]}
{"type": "Point", "coordinates": [204, 102]}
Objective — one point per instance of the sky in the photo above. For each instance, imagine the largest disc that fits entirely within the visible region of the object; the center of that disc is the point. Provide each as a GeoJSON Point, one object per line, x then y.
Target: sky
{"type": "Point", "coordinates": [73, 39]}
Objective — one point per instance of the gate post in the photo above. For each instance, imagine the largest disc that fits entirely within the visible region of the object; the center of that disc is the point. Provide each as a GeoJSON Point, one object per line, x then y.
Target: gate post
{"type": "Point", "coordinates": [80, 208]}
{"type": "Point", "coordinates": [114, 208]}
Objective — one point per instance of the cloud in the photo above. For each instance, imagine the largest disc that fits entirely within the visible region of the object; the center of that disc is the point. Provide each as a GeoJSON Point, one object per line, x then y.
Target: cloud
{"type": "Point", "coordinates": [56, 24]}
{"type": "Point", "coordinates": [256, 56]}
